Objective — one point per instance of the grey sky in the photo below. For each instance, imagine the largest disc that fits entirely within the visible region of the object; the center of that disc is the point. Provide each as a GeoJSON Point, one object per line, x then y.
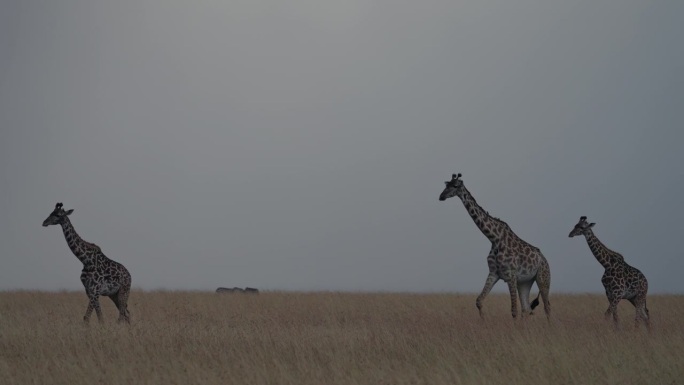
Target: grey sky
{"type": "Point", "coordinates": [302, 145]}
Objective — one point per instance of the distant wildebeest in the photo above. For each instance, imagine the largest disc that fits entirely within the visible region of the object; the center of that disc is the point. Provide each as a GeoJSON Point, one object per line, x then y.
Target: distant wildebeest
{"type": "Point", "coordinates": [229, 290]}
{"type": "Point", "coordinates": [247, 290]}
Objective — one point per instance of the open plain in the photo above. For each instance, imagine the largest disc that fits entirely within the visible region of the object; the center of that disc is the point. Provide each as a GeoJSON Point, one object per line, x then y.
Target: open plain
{"type": "Point", "coordinates": [299, 338]}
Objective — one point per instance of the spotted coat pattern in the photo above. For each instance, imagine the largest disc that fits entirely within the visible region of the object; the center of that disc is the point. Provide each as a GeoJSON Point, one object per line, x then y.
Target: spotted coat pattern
{"type": "Point", "coordinates": [510, 258]}
{"type": "Point", "coordinates": [620, 280]}
{"type": "Point", "coordinates": [100, 276]}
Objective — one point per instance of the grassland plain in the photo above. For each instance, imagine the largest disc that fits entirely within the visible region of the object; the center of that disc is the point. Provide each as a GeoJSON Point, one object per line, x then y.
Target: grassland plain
{"type": "Point", "coordinates": [334, 338]}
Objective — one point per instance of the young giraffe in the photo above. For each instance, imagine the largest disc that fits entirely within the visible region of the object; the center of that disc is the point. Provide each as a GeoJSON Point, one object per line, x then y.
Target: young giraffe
{"type": "Point", "coordinates": [515, 261]}
{"type": "Point", "coordinates": [620, 279]}
{"type": "Point", "coordinates": [100, 275]}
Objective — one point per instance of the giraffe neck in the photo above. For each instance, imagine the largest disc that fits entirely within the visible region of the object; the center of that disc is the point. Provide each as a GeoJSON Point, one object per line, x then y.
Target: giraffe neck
{"type": "Point", "coordinates": [600, 251]}
{"type": "Point", "coordinates": [491, 227]}
{"type": "Point", "coordinates": [77, 245]}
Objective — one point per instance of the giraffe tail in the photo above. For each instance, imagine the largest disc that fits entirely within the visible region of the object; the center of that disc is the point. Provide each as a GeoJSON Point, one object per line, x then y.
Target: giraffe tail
{"type": "Point", "coordinates": [535, 303]}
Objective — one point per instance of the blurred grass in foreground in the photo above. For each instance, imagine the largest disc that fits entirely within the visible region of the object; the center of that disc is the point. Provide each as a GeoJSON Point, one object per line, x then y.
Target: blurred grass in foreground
{"type": "Point", "coordinates": [334, 338]}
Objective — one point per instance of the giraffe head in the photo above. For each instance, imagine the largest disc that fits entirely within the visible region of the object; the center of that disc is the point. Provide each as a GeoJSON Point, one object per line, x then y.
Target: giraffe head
{"type": "Point", "coordinates": [454, 187]}
{"type": "Point", "coordinates": [57, 216]}
{"type": "Point", "coordinates": [581, 227]}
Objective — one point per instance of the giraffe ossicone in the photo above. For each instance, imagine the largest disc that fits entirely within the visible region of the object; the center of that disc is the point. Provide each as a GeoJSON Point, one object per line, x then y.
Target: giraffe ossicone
{"type": "Point", "coordinates": [100, 276]}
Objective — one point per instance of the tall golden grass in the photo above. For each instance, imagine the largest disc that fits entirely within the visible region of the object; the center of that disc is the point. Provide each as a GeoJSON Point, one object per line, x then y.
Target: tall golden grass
{"type": "Point", "coordinates": [334, 338]}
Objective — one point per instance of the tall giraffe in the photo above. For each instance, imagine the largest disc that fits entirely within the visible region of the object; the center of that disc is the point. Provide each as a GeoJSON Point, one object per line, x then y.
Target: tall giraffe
{"type": "Point", "coordinates": [619, 279]}
{"type": "Point", "coordinates": [100, 275]}
{"type": "Point", "coordinates": [511, 259]}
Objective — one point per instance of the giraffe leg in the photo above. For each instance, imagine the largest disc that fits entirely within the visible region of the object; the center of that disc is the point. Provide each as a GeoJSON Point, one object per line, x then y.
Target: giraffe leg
{"type": "Point", "coordinates": [544, 284]}
{"type": "Point", "coordinates": [89, 310]}
{"type": "Point", "coordinates": [612, 309]}
{"type": "Point", "coordinates": [524, 294]}
{"type": "Point", "coordinates": [608, 311]}
{"type": "Point", "coordinates": [513, 289]}
{"type": "Point", "coordinates": [544, 292]}
{"type": "Point", "coordinates": [489, 284]}
{"type": "Point", "coordinates": [646, 316]}
{"type": "Point", "coordinates": [93, 303]}
{"type": "Point", "coordinates": [122, 311]}
{"type": "Point", "coordinates": [115, 299]}
{"type": "Point", "coordinates": [641, 312]}
{"type": "Point", "coordinates": [122, 300]}
{"type": "Point", "coordinates": [607, 314]}
{"type": "Point", "coordinates": [98, 311]}
{"type": "Point", "coordinates": [637, 316]}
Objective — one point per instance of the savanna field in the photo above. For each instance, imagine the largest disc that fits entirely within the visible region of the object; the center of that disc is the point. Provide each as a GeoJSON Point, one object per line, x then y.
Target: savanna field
{"type": "Point", "coordinates": [334, 338]}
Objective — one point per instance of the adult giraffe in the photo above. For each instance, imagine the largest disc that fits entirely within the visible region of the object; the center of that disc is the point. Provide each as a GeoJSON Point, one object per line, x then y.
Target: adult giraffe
{"type": "Point", "coordinates": [511, 259]}
{"type": "Point", "coordinates": [100, 275]}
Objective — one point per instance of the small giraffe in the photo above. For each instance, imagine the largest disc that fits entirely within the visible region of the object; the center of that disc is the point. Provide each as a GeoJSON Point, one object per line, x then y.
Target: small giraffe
{"type": "Point", "coordinates": [515, 261]}
{"type": "Point", "coordinates": [620, 279]}
{"type": "Point", "coordinates": [100, 275]}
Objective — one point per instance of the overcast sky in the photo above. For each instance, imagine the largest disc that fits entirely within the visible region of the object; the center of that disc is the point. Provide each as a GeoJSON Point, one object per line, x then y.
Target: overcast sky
{"type": "Point", "coordinates": [302, 145]}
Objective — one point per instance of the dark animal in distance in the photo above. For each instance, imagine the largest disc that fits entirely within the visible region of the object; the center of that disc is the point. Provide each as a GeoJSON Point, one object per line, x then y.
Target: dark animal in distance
{"type": "Point", "coordinates": [247, 290]}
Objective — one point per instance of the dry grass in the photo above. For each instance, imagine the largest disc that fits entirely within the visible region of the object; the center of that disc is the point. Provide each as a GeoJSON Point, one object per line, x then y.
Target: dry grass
{"type": "Point", "coordinates": [333, 338]}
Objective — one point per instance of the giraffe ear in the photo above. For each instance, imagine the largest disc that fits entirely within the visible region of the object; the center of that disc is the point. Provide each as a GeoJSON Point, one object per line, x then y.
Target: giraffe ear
{"type": "Point", "coordinates": [68, 212]}
{"type": "Point", "coordinates": [591, 225]}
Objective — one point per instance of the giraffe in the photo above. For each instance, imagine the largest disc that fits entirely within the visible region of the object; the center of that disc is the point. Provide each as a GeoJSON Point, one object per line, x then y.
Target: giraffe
{"type": "Point", "coordinates": [100, 275]}
{"type": "Point", "coordinates": [619, 279]}
{"type": "Point", "coordinates": [511, 259]}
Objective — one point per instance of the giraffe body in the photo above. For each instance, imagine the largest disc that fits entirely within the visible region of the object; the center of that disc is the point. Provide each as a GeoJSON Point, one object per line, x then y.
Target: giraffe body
{"type": "Point", "coordinates": [620, 279]}
{"type": "Point", "coordinates": [510, 259]}
{"type": "Point", "coordinates": [100, 276]}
